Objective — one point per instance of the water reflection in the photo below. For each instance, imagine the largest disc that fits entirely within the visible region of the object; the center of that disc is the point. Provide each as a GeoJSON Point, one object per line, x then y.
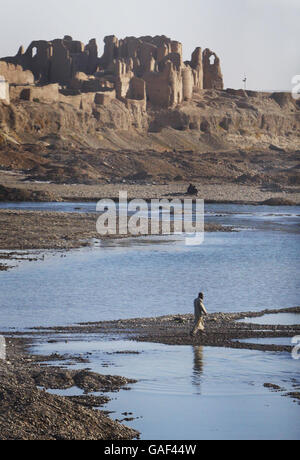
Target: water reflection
{"type": "Point", "coordinates": [197, 367]}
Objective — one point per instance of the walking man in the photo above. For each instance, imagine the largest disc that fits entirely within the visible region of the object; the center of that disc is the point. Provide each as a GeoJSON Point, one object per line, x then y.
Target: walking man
{"type": "Point", "coordinates": [200, 312]}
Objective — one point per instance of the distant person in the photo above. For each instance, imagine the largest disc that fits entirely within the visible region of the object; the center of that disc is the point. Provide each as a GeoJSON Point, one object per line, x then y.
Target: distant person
{"type": "Point", "coordinates": [200, 312]}
{"type": "Point", "coordinates": [192, 190]}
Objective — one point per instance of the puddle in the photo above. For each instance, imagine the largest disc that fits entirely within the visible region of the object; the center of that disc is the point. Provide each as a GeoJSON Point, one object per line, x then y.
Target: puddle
{"type": "Point", "coordinates": [267, 340]}
{"type": "Point", "coordinates": [276, 318]}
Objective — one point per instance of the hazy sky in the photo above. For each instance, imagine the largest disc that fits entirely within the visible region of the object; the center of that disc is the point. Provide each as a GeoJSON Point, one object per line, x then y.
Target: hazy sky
{"type": "Point", "coordinates": [259, 38]}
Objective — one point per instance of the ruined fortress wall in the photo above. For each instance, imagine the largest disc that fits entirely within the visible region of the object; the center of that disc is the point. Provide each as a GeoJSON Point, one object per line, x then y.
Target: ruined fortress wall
{"type": "Point", "coordinates": [137, 89]}
{"type": "Point", "coordinates": [58, 60]}
{"type": "Point", "coordinates": [47, 93]}
{"type": "Point", "coordinates": [164, 89]}
{"type": "Point", "coordinates": [124, 76]}
{"type": "Point", "coordinates": [159, 91]}
{"type": "Point", "coordinates": [87, 101]}
{"type": "Point", "coordinates": [104, 98]}
{"type": "Point", "coordinates": [74, 101]}
{"type": "Point", "coordinates": [15, 74]}
{"type": "Point", "coordinates": [212, 74]}
{"type": "Point", "coordinates": [151, 58]}
{"type": "Point", "coordinates": [51, 93]}
{"type": "Point", "coordinates": [37, 59]}
{"type": "Point", "coordinates": [197, 66]}
{"type": "Point", "coordinates": [187, 83]}
{"type": "Point", "coordinates": [61, 63]}
{"type": "Point", "coordinates": [15, 91]}
{"type": "Point", "coordinates": [144, 69]}
{"type": "Point", "coordinates": [137, 107]}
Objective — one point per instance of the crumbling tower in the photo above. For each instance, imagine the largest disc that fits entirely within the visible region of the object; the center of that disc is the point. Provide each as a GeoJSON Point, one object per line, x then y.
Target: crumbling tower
{"type": "Point", "coordinates": [145, 68]}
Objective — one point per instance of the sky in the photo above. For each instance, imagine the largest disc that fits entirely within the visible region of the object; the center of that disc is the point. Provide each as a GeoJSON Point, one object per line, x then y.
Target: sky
{"type": "Point", "coordinates": [256, 38]}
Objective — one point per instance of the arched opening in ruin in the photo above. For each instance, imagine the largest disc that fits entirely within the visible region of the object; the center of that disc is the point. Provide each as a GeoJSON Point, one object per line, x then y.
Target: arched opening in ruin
{"type": "Point", "coordinates": [212, 59]}
{"type": "Point", "coordinates": [34, 51]}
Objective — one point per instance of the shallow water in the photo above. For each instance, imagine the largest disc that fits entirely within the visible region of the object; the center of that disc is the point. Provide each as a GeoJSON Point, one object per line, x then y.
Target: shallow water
{"type": "Point", "coordinates": [283, 218]}
{"type": "Point", "coordinates": [146, 277]}
{"type": "Point", "coordinates": [183, 392]}
{"type": "Point", "coordinates": [276, 318]}
{"type": "Point", "coordinates": [186, 392]}
{"type": "Point", "coordinates": [268, 340]}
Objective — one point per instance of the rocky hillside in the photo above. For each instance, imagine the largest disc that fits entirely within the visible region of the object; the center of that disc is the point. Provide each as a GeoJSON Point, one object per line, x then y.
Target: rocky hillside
{"type": "Point", "coordinates": [227, 134]}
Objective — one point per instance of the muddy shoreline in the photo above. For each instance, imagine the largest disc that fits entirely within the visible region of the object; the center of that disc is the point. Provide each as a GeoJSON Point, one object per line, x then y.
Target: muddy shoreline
{"type": "Point", "coordinates": [212, 190]}
{"type": "Point", "coordinates": [28, 411]}
{"type": "Point", "coordinates": [61, 230]}
{"type": "Point", "coordinates": [221, 330]}
{"type": "Point", "coordinates": [39, 231]}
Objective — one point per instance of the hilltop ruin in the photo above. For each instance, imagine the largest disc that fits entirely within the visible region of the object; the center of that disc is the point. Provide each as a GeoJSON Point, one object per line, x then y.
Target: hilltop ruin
{"type": "Point", "coordinates": [138, 112]}
{"type": "Point", "coordinates": [142, 71]}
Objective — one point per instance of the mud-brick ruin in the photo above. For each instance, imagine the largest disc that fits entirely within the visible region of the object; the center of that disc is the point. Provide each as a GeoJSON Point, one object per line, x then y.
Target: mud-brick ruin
{"type": "Point", "coordinates": [145, 71]}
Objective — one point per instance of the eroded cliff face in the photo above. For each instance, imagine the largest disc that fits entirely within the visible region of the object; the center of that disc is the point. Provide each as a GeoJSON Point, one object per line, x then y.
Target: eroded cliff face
{"type": "Point", "coordinates": [219, 136]}
{"type": "Point", "coordinates": [212, 120]}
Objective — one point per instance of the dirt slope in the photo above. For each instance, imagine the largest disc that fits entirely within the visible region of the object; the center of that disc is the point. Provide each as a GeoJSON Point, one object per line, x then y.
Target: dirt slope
{"type": "Point", "coordinates": [227, 135]}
